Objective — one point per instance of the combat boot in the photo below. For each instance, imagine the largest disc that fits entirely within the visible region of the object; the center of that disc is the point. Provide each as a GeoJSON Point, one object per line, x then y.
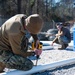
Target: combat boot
{"type": "Point", "coordinates": [2, 66]}
{"type": "Point", "coordinates": [62, 47]}
{"type": "Point", "coordinates": [65, 45]}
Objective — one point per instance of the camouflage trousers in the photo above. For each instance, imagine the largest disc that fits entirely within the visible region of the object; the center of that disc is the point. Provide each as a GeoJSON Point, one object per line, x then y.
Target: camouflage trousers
{"type": "Point", "coordinates": [62, 40]}
{"type": "Point", "coordinates": [14, 61]}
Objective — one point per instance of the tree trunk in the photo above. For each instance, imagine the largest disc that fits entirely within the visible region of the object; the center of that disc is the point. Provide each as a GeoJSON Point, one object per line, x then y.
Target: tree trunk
{"type": "Point", "coordinates": [19, 6]}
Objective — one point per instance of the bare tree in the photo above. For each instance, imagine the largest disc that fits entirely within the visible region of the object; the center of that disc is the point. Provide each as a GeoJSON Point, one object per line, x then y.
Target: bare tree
{"type": "Point", "coordinates": [19, 6]}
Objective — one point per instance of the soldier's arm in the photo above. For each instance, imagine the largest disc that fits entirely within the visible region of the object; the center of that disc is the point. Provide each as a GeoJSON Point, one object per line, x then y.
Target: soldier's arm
{"type": "Point", "coordinates": [15, 43]}
{"type": "Point", "coordinates": [54, 40]}
{"type": "Point", "coordinates": [35, 37]}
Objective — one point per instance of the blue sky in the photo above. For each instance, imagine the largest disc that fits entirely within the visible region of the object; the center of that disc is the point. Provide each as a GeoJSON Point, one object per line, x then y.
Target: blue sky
{"type": "Point", "coordinates": [57, 1]}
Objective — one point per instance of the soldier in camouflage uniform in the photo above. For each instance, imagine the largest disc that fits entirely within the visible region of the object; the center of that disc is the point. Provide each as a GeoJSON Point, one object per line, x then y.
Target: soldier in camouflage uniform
{"type": "Point", "coordinates": [14, 43]}
{"type": "Point", "coordinates": [63, 37]}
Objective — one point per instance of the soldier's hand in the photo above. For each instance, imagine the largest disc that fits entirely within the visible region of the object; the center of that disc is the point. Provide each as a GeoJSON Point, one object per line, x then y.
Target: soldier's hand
{"type": "Point", "coordinates": [38, 52]}
{"type": "Point", "coordinates": [52, 44]}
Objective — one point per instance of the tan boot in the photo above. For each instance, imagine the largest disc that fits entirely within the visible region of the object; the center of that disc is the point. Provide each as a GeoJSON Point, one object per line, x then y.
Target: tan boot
{"type": "Point", "coordinates": [2, 66]}
{"type": "Point", "coordinates": [62, 47]}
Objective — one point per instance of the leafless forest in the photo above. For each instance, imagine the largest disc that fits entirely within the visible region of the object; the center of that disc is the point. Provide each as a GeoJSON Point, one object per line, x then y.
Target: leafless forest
{"type": "Point", "coordinates": [51, 11]}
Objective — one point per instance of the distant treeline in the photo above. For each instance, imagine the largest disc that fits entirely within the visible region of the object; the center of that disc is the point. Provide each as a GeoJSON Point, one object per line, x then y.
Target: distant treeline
{"type": "Point", "coordinates": [48, 9]}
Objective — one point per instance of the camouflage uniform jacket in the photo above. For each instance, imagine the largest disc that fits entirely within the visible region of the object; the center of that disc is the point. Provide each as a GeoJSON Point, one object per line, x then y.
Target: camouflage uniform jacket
{"type": "Point", "coordinates": [11, 33]}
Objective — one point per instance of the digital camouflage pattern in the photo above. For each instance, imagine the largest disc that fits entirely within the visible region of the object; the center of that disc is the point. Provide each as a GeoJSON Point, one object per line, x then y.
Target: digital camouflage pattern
{"type": "Point", "coordinates": [14, 61]}
{"type": "Point", "coordinates": [12, 48]}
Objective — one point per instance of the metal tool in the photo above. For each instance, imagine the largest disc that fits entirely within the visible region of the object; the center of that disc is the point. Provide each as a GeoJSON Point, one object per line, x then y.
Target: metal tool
{"type": "Point", "coordinates": [39, 47]}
